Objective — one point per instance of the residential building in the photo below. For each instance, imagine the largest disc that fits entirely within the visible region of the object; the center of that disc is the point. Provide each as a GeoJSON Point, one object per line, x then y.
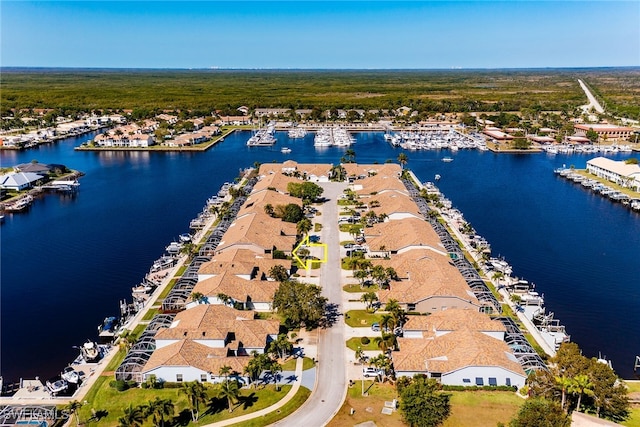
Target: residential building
{"type": "Point", "coordinates": [19, 181]}
{"type": "Point", "coordinates": [606, 132]}
{"type": "Point", "coordinates": [619, 172]}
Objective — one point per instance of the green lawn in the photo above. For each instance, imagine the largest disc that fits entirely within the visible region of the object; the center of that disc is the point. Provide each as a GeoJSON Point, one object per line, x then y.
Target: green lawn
{"type": "Point", "coordinates": [482, 408]}
{"type": "Point", "coordinates": [290, 365]}
{"type": "Point", "coordinates": [112, 402]}
{"type": "Point", "coordinates": [301, 396]}
{"type": "Point", "coordinates": [354, 343]}
{"type": "Point", "coordinates": [361, 318]}
{"type": "Point", "coordinates": [355, 288]}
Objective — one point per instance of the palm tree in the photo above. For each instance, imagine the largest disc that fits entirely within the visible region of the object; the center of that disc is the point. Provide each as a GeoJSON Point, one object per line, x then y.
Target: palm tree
{"type": "Point", "coordinates": [281, 346]}
{"type": "Point", "coordinates": [231, 391]}
{"type": "Point", "coordinates": [387, 322]}
{"type": "Point", "coordinates": [268, 209]}
{"type": "Point", "coordinates": [225, 370]}
{"type": "Point", "coordinates": [157, 409]}
{"type": "Point", "coordinates": [72, 407]}
{"type": "Point", "coordinates": [361, 275]}
{"type": "Point", "coordinates": [581, 385]}
{"type": "Point", "coordinates": [276, 368]}
{"type": "Point", "coordinates": [304, 226]}
{"type": "Point", "coordinates": [196, 394]}
{"type": "Point", "coordinates": [402, 159]}
{"type": "Point", "coordinates": [198, 297]}
{"type": "Point", "coordinates": [564, 383]}
{"type": "Point", "coordinates": [392, 306]}
{"type": "Point", "coordinates": [133, 417]}
{"type": "Point", "coordinates": [386, 342]}
{"type": "Point", "coordinates": [368, 298]}
{"type": "Point", "coordinates": [350, 154]}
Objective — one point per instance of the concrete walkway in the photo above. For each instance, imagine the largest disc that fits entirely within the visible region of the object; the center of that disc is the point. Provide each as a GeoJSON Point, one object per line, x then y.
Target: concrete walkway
{"type": "Point", "coordinates": [272, 408]}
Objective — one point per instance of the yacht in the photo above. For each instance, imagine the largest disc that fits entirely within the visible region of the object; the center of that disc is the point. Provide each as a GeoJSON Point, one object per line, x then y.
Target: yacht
{"type": "Point", "coordinates": [263, 137]}
{"type": "Point", "coordinates": [297, 132]}
{"type": "Point", "coordinates": [19, 205]}
{"type": "Point", "coordinates": [70, 375]}
{"type": "Point", "coordinates": [57, 386]}
{"type": "Point", "coordinates": [173, 248]}
{"type": "Point", "coordinates": [90, 351]}
{"type": "Point", "coordinates": [185, 238]}
{"type": "Point", "coordinates": [285, 150]}
{"type": "Point", "coordinates": [447, 159]}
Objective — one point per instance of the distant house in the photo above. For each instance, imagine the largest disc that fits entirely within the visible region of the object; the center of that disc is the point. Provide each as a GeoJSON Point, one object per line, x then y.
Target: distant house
{"type": "Point", "coordinates": [626, 175]}
{"type": "Point", "coordinates": [606, 131]}
{"type": "Point", "coordinates": [235, 120]}
{"type": "Point", "coordinates": [497, 135]}
{"type": "Point", "coordinates": [37, 168]}
{"type": "Point", "coordinates": [18, 181]}
{"type": "Point", "coordinates": [244, 110]}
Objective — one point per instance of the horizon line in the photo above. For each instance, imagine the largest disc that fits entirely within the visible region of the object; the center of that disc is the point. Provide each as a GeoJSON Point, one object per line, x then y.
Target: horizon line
{"type": "Point", "coordinates": [20, 67]}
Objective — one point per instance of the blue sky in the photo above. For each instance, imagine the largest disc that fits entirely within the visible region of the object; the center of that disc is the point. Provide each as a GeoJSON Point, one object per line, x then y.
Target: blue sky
{"type": "Point", "coordinates": [305, 34]}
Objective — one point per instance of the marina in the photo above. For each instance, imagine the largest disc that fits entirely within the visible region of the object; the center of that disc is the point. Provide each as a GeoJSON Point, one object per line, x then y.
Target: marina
{"type": "Point", "coordinates": [333, 136]}
{"type": "Point", "coordinates": [505, 206]}
{"type": "Point", "coordinates": [597, 187]}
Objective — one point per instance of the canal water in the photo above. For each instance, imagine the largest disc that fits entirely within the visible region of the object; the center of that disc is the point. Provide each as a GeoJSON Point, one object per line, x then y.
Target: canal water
{"type": "Point", "coordinates": [67, 262]}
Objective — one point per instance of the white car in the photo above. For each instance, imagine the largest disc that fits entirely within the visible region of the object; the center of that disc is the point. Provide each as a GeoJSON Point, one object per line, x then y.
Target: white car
{"type": "Point", "coordinates": [371, 372]}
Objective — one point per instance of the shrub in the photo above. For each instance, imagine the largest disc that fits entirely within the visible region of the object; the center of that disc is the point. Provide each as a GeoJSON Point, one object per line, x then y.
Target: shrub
{"type": "Point", "coordinates": [365, 340]}
{"type": "Point", "coordinates": [121, 385]}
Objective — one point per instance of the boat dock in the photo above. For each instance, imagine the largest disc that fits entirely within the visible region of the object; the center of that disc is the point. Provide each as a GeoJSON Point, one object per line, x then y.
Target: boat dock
{"type": "Point", "coordinates": [602, 187]}
{"type": "Point", "coordinates": [518, 294]}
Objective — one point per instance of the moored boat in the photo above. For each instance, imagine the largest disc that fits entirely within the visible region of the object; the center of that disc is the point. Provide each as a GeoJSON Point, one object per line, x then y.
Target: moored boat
{"type": "Point", "coordinates": [90, 351]}
{"type": "Point", "coordinates": [70, 375]}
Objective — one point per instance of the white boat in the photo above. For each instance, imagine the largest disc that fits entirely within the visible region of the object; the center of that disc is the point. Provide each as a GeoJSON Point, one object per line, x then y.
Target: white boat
{"type": "Point", "coordinates": [173, 248]}
{"type": "Point", "coordinates": [285, 150]}
{"type": "Point", "coordinates": [70, 375]}
{"type": "Point", "coordinates": [163, 263]}
{"type": "Point", "coordinates": [57, 386]}
{"type": "Point", "coordinates": [447, 159]}
{"type": "Point", "coordinates": [297, 133]}
{"type": "Point", "coordinates": [263, 137]}
{"type": "Point", "coordinates": [90, 352]}
{"type": "Point", "coordinates": [437, 177]}
{"type": "Point", "coordinates": [185, 238]}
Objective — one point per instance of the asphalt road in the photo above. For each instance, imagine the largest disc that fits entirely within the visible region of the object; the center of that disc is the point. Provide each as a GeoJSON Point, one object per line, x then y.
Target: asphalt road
{"type": "Point", "coordinates": [593, 102]}
{"type": "Point", "coordinates": [331, 386]}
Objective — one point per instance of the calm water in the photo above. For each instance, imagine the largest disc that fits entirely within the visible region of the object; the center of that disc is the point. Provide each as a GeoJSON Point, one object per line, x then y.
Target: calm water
{"type": "Point", "coordinates": [67, 263]}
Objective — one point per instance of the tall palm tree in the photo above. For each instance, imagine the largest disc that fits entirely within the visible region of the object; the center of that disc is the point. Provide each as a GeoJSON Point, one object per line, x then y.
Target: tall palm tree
{"type": "Point", "coordinates": [157, 409]}
{"type": "Point", "coordinates": [368, 298]}
{"type": "Point", "coordinates": [231, 391]}
{"type": "Point", "coordinates": [73, 407]}
{"type": "Point", "coordinates": [276, 368]}
{"type": "Point", "coordinates": [225, 370]}
{"type": "Point", "coordinates": [564, 383]}
{"type": "Point", "coordinates": [402, 159]}
{"type": "Point", "coordinates": [350, 154]}
{"type": "Point", "coordinates": [133, 417]}
{"type": "Point", "coordinates": [387, 322]}
{"type": "Point", "coordinates": [196, 394]}
{"type": "Point", "coordinates": [581, 385]}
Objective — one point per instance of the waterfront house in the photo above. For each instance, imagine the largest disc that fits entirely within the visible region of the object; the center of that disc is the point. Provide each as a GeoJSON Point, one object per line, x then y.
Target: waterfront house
{"type": "Point", "coordinates": [619, 172]}
{"type": "Point", "coordinates": [394, 204]}
{"type": "Point", "coordinates": [37, 168]}
{"type": "Point", "coordinates": [395, 237]}
{"type": "Point", "coordinates": [378, 184]}
{"type": "Point", "coordinates": [464, 357]}
{"type": "Point", "coordinates": [260, 233]}
{"type": "Point", "coordinates": [443, 322]}
{"type": "Point", "coordinates": [257, 201]}
{"type": "Point", "coordinates": [427, 283]}
{"type": "Point", "coordinates": [250, 294]}
{"type": "Point", "coordinates": [203, 339]}
{"type": "Point", "coordinates": [19, 181]}
{"type": "Point", "coordinates": [244, 263]}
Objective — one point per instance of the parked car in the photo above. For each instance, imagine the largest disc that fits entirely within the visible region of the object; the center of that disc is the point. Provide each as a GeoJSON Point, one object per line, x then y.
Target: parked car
{"type": "Point", "coordinates": [371, 372]}
{"type": "Point", "coordinates": [375, 327]}
{"type": "Point", "coordinates": [348, 246]}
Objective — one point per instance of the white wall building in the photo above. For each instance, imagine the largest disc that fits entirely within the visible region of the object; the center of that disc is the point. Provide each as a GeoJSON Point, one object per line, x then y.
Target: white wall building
{"type": "Point", "coordinates": [619, 172]}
